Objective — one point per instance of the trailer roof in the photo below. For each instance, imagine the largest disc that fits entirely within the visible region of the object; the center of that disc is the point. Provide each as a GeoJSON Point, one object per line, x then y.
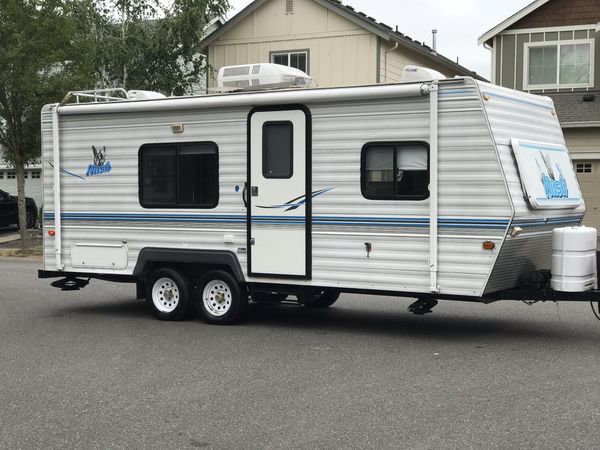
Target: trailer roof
{"type": "Point", "coordinates": [240, 99]}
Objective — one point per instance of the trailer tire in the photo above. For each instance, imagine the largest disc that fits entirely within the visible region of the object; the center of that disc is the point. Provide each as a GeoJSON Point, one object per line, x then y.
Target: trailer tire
{"type": "Point", "coordinates": [323, 298]}
{"type": "Point", "coordinates": [168, 294]}
{"type": "Point", "coordinates": [220, 299]}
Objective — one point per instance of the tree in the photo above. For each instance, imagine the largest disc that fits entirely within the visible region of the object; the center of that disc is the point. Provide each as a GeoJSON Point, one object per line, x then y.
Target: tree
{"type": "Point", "coordinates": [50, 47]}
{"type": "Point", "coordinates": [43, 53]}
{"type": "Point", "coordinates": [153, 44]}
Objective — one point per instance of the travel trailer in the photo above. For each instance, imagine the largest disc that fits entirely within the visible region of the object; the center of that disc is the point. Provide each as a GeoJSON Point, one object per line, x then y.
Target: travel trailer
{"type": "Point", "coordinates": [449, 189]}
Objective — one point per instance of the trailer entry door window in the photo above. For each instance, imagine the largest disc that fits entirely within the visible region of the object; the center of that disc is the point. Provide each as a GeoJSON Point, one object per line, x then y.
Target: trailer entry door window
{"type": "Point", "coordinates": [278, 150]}
{"type": "Point", "coordinates": [179, 175]}
{"type": "Point", "coordinates": [395, 171]}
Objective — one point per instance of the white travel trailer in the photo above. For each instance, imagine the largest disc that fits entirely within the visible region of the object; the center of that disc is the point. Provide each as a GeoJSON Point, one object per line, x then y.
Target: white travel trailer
{"type": "Point", "coordinates": [450, 189]}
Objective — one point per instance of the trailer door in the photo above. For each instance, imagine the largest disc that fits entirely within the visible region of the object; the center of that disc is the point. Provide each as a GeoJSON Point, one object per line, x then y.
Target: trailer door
{"type": "Point", "coordinates": [279, 200]}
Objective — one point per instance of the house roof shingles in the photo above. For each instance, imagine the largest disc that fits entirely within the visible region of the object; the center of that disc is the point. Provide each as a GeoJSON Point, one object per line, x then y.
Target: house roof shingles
{"type": "Point", "coordinates": [573, 111]}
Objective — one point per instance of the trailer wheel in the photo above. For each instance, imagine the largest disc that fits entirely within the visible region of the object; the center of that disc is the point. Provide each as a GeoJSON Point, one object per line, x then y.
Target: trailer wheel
{"type": "Point", "coordinates": [319, 299]}
{"type": "Point", "coordinates": [220, 299]}
{"type": "Point", "coordinates": [168, 293]}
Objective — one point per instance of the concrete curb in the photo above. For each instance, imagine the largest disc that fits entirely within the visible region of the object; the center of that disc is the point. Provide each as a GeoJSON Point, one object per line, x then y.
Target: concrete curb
{"type": "Point", "coordinates": [9, 238]}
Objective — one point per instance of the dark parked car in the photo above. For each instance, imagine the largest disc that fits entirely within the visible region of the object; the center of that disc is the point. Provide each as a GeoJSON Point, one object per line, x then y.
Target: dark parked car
{"type": "Point", "coordinates": [8, 210]}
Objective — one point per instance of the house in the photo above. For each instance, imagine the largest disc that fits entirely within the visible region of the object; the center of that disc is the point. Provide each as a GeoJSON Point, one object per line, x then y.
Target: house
{"type": "Point", "coordinates": [552, 47]}
{"type": "Point", "coordinates": [333, 43]}
{"type": "Point", "coordinates": [33, 180]}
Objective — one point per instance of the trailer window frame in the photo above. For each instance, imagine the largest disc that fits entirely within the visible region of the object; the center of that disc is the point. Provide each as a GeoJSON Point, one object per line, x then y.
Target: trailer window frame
{"type": "Point", "coordinates": [394, 145]}
{"type": "Point", "coordinates": [266, 151]}
{"type": "Point", "coordinates": [178, 148]}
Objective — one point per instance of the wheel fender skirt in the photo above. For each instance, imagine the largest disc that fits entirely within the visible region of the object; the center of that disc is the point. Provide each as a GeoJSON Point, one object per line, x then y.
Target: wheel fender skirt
{"type": "Point", "coordinates": [149, 256]}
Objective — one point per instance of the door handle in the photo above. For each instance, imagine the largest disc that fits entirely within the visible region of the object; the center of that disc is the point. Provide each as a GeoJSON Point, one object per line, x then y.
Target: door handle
{"type": "Point", "coordinates": [245, 195]}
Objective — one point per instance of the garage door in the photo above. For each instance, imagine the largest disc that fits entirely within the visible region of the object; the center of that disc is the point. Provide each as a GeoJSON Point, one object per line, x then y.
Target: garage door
{"type": "Point", "coordinates": [588, 173]}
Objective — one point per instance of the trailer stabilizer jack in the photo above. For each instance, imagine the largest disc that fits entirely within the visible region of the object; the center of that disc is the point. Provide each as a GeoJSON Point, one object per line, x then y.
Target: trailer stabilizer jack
{"type": "Point", "coordinates": [423, 306]}
{"type": "Point", "coordinates": [70, 284]}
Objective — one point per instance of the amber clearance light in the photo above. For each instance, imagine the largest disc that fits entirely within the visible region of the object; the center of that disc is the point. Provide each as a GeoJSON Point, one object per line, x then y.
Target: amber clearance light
{"type": "Point", "coordinates": [489, 245]}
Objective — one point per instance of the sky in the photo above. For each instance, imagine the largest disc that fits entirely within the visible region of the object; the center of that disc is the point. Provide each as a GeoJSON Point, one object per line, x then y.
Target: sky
{"type": "Point", "coordinates": [459, 23]}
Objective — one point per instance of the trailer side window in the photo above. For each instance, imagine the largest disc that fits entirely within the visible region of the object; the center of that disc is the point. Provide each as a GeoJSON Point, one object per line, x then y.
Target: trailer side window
{"type": "Point", "coordinates": [395, 171]}
{"type": "Point", "coordinates": [278, 150]}
{"type": "Point", "coordinates": [179, 175]}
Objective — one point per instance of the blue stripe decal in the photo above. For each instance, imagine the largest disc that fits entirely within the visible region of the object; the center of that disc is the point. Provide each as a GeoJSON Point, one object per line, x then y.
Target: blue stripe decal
{"type": "Point", "coordinates": [451, 223]}
{"type": "Point", "coordinates": [543, 147]}
{"type": "Point", "coordinates": [292, 220]}
{"type": "Point", "coordinates": [457, 91]}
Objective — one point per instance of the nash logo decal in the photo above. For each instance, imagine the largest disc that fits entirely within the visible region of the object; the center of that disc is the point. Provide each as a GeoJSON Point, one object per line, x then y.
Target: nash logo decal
{"type": "Point", "coordinates": [100, 164]}
{"type": "Point", "coordinates": [554, 186]}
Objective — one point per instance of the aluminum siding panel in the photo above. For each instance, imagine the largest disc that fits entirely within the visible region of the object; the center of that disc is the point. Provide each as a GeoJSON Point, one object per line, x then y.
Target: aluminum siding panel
{"type": "Point", "coordinates": [474, 204]}
{"type": "Point", "coordinates": [520, 115]}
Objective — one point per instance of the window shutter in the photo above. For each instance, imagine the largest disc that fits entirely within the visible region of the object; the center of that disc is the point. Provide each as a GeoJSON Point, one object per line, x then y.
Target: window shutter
{"type": "Point", "coordinates": [290, 6]}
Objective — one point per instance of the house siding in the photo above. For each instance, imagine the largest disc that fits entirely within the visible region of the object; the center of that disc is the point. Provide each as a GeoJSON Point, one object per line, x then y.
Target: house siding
{"type": "Point", "coordinates": [560, 13]}
{"type": "Point", "coordinates": [511, 54]}
{"type": "Point", "coordinates": [392, 63]}
{"type": "Point", "coordinates": [334, 43]}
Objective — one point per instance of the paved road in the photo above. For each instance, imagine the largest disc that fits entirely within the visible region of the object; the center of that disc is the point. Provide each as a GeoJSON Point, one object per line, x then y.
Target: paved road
{"type": "Point", "coordinates": [93, 369]}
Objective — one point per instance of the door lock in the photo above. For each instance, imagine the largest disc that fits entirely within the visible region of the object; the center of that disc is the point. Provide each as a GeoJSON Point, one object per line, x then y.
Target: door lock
{"type": "Point", "coordinates": [254, 191]}
{"type": "Point", "coordinates": [252, 241]}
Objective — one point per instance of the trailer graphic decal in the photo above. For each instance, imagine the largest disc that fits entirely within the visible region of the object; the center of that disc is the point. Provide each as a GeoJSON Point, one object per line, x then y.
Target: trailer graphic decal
{"type": "Point", "coordinates": [554, 188]}
{"type": "Point", "coordinates": [100, 165]}
{"type": "Point", "coordinates": [66, 172]}
{"type": "Point", "coordinates": [296, 202]}
{"type": "Point", "coordinates": [547, 175]}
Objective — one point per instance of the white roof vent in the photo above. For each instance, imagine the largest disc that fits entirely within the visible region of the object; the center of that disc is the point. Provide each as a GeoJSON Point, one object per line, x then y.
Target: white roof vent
{"type": "Point", "coordinates": [144, 95]}
{"type": "Point", "coordinates": [412, 74]}
{"type": "Point", "coordinates": [255, 77]}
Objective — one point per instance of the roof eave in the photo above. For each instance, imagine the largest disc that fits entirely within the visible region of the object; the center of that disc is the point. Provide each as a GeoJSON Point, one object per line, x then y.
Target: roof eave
{"type": "Point", "coordinates": [510, 21]}
{"type": "Point", "coordinates": [429, 53]}
{"type": "Point", "coordinates": [593, 124]}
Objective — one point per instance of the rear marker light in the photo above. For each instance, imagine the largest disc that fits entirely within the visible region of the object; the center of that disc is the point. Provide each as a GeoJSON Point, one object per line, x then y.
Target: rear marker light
{"type": "Point", "coordinates": [489, 245]}
{"type": "Point", "coordinates": [51, 232]}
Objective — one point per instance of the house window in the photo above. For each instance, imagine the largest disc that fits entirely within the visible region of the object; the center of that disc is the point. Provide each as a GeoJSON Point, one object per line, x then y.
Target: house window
{"type": "Point", "coordinates": [11, 175]}
{"type": "Point", "coordinates": [583, 167]}
{"type": "Point", "coordinates": [25, 174]}
{"type": "Point", "coordinates": [182, 175]}
{"type": "Point", "coordinates": [395, 171]}
{"type": "Point", "coordinates": [559, 65]}
{"type": "Point", "coordinates": [1, 175]}
{"type": "Point", "coordinates": [278, 150]}
{"type": "Point", "coordinates": [36, 174]}
{"type": "Point", "coordinates": [296, 59]}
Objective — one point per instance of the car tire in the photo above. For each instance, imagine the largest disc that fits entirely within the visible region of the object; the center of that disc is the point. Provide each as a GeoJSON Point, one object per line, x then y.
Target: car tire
{"type": "Point", "coordinates": [323, 298]}
{"type": "Point", "coordinates": [168, 294]}
{"type": "Point", "coordinates": [220, 299]}
{"type": "Point", "coordinates": [31, 219]}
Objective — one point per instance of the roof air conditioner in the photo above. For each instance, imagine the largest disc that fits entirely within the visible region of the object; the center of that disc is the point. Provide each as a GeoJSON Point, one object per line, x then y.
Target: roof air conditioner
{"type": "Point", "coordinates": [413, 74]}
{"type": "Point", "coordinates": [255, 77]}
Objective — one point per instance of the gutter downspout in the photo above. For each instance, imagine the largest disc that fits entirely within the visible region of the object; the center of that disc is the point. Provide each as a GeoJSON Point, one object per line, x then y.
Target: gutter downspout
{"type": "Point", "coordinates": [56, 187]}
{"type": "Point", "coordinates": [385, 72]}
